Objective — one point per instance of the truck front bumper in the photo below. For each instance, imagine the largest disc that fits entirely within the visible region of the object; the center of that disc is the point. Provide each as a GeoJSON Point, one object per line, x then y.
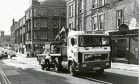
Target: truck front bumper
{"type": "Point", "coordinates": [92, 66]}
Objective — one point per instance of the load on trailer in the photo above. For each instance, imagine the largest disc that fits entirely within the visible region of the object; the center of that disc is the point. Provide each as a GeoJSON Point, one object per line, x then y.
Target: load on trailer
{"type": "Point", "coordinates": [81, 52]}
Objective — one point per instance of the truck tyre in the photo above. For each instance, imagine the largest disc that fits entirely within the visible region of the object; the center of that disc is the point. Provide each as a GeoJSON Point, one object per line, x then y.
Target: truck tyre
{"type": "Point", "coordinates": [100, 72]}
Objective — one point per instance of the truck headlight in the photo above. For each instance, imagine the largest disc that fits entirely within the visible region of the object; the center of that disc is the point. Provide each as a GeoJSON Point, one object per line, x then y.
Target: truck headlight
{"type": "Point", "coordinates": [84, 65]}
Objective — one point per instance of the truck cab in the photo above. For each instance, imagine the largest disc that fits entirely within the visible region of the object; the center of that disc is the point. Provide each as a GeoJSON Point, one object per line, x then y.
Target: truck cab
{"type": "Point", "coordinates": [88, 51]}
{"type": "Point", "coordinates": [81, 51]}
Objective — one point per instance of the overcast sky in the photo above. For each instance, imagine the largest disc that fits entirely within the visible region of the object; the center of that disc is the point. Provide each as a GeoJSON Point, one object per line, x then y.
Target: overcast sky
{"type": "Point", "coordinates": [10, 9]}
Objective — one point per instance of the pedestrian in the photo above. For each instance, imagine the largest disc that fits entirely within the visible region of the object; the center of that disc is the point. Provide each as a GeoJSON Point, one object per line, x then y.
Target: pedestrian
{"type": "Point", "coordinates": [6, 55]}
{"type": "Point", "coordinates": [43, 63]}
{"type": "Point", "coordinates": [47, 62]}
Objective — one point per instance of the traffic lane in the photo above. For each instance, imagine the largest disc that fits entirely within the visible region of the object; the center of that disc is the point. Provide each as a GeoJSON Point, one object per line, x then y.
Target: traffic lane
{"type": "Point", "coordinates": [111, 77]}
{"type": "Point", "coordinates": [29, 74]}
{"type": "Point", "coordinates": [50, 77]}
{"type": "Point", "coordinates": [33, 76]}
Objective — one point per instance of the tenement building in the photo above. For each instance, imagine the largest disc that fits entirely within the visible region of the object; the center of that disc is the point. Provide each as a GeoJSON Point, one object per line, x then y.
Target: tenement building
{"type": "Point", "coordinates": [41, 23]}
{"type": "Point", "coordinates": [120, 18]}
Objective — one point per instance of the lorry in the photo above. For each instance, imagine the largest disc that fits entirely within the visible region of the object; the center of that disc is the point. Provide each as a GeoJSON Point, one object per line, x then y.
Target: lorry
{"type": "Point", "coordinates": [79, 51]}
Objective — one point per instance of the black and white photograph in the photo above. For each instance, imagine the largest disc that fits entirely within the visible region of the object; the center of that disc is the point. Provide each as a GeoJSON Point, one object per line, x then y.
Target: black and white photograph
{"type": "Point", "coordinates": [69, 42]}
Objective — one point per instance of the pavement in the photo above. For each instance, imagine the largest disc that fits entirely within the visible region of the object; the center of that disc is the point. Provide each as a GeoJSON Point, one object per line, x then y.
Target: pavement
{"type": "Point", "coordinates": [120, 66]}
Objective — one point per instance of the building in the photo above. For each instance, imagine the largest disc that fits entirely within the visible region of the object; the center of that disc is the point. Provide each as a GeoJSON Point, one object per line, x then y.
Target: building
{"type": "Point", "coordinates": [43, 21]}
{"type": "Point", "coordinates": [13, 36]}
{"type": "Point", "coordinates": [5, 40]}
{"type": "Point", "coordinates": [107, 16]}
{"type": "Point", "coordinates": [1, 33]}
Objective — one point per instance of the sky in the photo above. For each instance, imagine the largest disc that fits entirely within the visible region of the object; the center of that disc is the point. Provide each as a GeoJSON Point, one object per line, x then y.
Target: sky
{"type": "Point", "coordinates": [10, 9]}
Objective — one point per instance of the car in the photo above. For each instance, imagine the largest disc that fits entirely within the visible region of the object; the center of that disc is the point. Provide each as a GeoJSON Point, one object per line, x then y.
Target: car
{"type": "Point", "coordinates": [11, 53]}
{"type": "Point", "coordinates": [3, 55]}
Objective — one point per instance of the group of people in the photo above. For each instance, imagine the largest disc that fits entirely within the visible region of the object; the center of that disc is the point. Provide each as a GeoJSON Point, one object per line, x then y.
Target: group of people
{"type": "Point", "coordinates": [45, 63]}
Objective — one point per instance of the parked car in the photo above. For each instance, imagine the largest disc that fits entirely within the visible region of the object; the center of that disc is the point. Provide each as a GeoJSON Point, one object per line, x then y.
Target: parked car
{"type": "Point", "coordinates": [3, 55]}
{"type": "Point", "coordinates": [11, 53]}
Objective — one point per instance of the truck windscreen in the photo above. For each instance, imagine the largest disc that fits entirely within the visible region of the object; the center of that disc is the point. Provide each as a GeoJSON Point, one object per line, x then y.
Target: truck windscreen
{"type": "Point", "coordinates": [93, 40]}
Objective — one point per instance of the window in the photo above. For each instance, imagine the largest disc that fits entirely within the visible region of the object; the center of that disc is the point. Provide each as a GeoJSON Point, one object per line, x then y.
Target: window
{"type": "Point", "coordinates": [81, 5]}
{"type": "Point", "coordinates": [95, 23]}
{"type": "Point", "coordinates": [73, 41]}
{"type": "Point", "coordinates": [98, 22]}
{"type": "Point", "coordinates": [71, 25]}
{"type": "Point", "coordinates": [71, 10]}
{"type": "Point", "coordinates": [94, 4]}
{"type": "Point", "coordinates": [98, 3]}
{"type": "Point", "coordinates": [55, 22]}
{"type": "Point", "coordinates": [101, 3]}
{"type": "Point", "coordinates": [101, 21]}
{"type": "Point", "coordinates": [44, 35]}
{"type": "Point", "coordinates": [80, 24]}
{"type": "Point", "coordinates": [119, 17]}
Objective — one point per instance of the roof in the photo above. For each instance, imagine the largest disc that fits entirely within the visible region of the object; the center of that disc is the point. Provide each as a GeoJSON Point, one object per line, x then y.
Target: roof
{"type": "Point", "coordinates": [54, 3]}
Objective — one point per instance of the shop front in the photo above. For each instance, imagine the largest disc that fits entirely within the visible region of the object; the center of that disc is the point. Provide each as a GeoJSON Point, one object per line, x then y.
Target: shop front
{"type": "Point", "coordinates": [125, 46]}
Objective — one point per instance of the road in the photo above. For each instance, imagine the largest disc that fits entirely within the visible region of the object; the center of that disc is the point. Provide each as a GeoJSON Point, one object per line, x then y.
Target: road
{"type": "Point", "coordinates": [20, 70]}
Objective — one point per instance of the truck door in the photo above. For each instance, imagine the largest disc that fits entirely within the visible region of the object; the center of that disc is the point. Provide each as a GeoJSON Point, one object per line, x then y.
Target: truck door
{"type": "Point", "coordinates": [72, 48]}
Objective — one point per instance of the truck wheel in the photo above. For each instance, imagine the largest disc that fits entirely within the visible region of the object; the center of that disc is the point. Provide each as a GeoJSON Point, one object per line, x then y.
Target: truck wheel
{"type": "Point", "coordinates": [100, 72]}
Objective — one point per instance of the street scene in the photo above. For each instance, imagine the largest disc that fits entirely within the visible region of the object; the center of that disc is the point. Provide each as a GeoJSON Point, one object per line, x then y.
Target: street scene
{"type": "Point", "coordinates": [69, 42]}
{"type": "Point", "coordinates": [23, 70]}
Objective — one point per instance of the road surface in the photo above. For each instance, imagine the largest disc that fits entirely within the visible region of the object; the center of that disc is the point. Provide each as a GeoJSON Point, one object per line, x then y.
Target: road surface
{"type": "Point", "coordinates": [20, 70]}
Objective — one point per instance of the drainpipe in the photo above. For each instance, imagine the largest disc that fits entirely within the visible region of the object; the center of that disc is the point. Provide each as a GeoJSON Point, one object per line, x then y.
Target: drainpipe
{"type": "Point", "coordinates": [129, 49]}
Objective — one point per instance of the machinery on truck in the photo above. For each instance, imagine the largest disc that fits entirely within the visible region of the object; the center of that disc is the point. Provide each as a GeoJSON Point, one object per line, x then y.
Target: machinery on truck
{"type": "Point", "coordinates": [81, 51]}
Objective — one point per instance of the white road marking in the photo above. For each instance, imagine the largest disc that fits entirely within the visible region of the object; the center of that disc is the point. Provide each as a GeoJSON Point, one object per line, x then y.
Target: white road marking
{"type": "Point", "coordinates": [4, 77]}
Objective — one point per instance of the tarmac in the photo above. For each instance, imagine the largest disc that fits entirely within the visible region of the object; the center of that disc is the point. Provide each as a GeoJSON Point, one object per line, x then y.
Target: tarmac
{"type": "Point", "coordinates": [121, 66]}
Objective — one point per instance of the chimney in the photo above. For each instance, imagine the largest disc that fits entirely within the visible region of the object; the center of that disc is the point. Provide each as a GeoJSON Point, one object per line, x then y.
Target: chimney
{"type": "Point", "coordinates": [13, 21]}
{"type": "Point", "coordinates": [35, 3]}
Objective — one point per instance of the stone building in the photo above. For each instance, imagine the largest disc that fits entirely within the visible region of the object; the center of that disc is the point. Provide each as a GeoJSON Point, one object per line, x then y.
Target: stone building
{"type": "Point", "coordinates": [39, 26]}
{"type": "Point", "coordinates": [107, 16]}
{"type": "Point", "coordinates": [5, 40]}
{"type": "Point", "coordinates": [43, 21]}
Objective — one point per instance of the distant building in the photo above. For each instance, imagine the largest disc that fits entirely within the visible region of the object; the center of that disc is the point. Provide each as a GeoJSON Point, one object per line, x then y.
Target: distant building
{"type": "Point", "coordinates": [5, 40]}
{"type": "Point", "coordinates": [1, 33]}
